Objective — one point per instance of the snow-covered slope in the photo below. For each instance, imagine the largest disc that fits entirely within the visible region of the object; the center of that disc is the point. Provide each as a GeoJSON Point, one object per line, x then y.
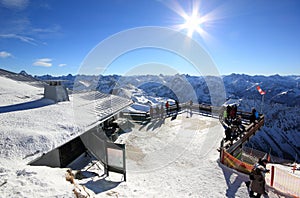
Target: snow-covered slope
{"type": "Point", "coordinates": [14, 92]}
{"type": "Point", "coordinates": [22, 134]}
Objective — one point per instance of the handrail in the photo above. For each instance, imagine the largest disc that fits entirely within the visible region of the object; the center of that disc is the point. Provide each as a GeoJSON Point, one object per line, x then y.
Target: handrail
{"type": "Point", "coordinates": [207, 108]}
{"type": "Point", "coordinates": [250, 130]}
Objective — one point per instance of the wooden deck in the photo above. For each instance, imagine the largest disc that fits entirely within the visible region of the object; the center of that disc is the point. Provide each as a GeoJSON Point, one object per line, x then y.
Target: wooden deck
{"type": "Point", "coordinates": [249, 132]}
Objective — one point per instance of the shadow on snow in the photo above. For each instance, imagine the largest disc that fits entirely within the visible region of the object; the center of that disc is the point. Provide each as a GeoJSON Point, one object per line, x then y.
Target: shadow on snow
{"type": "Point", "coordinates": [233, 185]}
{"type": "Point", "coordinates": [101, 185]}
{"type": "Point", "coordinates": [27, 105]}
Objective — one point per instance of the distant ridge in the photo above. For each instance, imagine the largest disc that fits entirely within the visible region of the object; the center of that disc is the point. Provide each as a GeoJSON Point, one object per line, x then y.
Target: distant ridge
{"type": "Point", "coordinates": [22, 76]}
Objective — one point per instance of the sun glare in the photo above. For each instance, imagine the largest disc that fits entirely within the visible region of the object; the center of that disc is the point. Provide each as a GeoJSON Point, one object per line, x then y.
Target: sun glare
{"type": "Point", "coordinates": [192, 24]}
{"type": "Point", "coordinates": [194, 21]}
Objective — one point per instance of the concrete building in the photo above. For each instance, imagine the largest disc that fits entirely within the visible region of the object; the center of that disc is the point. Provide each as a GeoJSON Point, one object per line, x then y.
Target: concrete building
{"type": "Point", "coordinates": [54, 90]}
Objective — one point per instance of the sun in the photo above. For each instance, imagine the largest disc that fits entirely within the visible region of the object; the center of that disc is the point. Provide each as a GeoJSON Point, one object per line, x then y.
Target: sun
{"type": "Point", "coordinates": [192, 20]}
{"type": "Point", "coordinates": [193, 24]}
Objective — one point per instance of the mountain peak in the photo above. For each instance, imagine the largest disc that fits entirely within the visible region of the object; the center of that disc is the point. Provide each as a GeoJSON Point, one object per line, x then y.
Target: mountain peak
{"type": "Point", "coordinates": [24, 73]}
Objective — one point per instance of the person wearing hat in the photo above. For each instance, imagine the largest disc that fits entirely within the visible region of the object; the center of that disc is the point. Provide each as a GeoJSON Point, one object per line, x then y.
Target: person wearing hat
{"type": "Point", "coordinates": [258, 183]}
{"type": "Point", "coordinates": [264, 163]}
{"type": "Point", "coordinates": [257, 178]}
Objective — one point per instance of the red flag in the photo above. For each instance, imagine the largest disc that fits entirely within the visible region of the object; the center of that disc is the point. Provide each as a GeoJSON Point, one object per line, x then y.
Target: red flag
{"type": "Point", "coordinates": [260, 90]}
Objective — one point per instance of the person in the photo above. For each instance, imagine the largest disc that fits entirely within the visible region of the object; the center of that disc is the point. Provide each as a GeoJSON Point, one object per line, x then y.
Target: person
{"type": "Point", "coordinates": [256, 115]}
{"type": "Point", "coordinates": [257, 177]}
{"type": "Point", "coordinates": [225, 117]}
{"type": "Point", "coordinates": [238, 122]}
{"type": "Point", "coordinates": [234, 132]}
{"type": "Point", "coordinates": [228, 109]}
{"type": "Point", "coordinates": [233, 112]}
{"type": "Point", "coordinates": [228, 132]}
{"type": "Point", "coordinates": [263, 162]}
{"type": "Point", "coordinates": [191, 106]}
{"type": "Point", "coordinates": [253, 116]}
{"type": "Point", "coordinates": [151, 112]}
{"type": "Point", "coordinates": [177, 106]}
{"type": "Point", "coordinates": [162, 110]}
{"type": "Point", "coordinates": [225, 114]}
{"type": "Point", "coordinates": [157, 111]}
{"type": "Point", "coordinates": [167, 107]}
{"type": "Point", "coordinates": [258, 182]}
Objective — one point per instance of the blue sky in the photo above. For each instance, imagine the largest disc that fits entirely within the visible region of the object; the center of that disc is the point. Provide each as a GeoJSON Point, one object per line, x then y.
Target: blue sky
{"type": "Point", "coordinates": [241, 36]}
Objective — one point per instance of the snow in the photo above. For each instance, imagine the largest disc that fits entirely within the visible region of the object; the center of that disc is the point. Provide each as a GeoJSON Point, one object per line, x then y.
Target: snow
{"type": "Point", "coordinates": [31, 129]}
{"type": "Point", "coordinates": [178, 159]}
{"type": "Point", "coordinates": [138, 108]}
{"type": "Point", "coordinates": [85, 83]}
{"type": "Point", "coordinates": [32, 181]}
{"type": "Point", "coordinates": [164, 158]}
{"type": "Point", "coordinates": [232, 102]}
{"type": "Point", "coordinates": [14, 92]}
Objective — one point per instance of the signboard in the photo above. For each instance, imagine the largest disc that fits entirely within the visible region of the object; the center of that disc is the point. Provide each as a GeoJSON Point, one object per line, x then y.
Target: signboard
{"type": "Point", "coordinates": [116, 159]}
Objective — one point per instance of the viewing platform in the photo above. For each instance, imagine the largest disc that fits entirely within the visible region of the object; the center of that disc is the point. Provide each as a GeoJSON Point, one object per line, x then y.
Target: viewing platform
{"type": "Point", "coordinates": [241, 137]}
{"type": "Point", "coordinates": [231, 146]}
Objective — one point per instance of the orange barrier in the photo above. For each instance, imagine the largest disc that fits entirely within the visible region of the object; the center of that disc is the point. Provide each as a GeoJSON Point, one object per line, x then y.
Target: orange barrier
{"type": "Point", "coordinates": [284, 181]}
{"type": "Point", "coordinates": [234, 163]}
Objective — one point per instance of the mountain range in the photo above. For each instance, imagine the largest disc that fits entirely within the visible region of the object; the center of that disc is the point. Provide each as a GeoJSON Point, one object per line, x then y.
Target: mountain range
{"type": "Point", "coordinates": [280, 104]}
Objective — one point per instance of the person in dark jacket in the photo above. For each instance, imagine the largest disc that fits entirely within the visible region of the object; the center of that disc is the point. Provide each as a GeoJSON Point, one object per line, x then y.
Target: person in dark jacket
{"type": "Point", "coordinates": [177, 106]}
{"type": "Point", "coordinates": [233, 112]}
{"type": "Point", "coordinates": [228, 134]}
{"type": "Point", "coordinates": [257, 178]}
{"type": "Point", "coordinates": [238, 123]}
{"type": "Point", "coordinates": [228, 109]}
{"type": "Point", "coordinates": [258, 183]}
{"type": "Point", "coordinates": [253, 116]}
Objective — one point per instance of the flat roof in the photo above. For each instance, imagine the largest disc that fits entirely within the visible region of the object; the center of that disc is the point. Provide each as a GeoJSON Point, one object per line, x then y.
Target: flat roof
{"type": "Point", "coordinates": [31, 123]}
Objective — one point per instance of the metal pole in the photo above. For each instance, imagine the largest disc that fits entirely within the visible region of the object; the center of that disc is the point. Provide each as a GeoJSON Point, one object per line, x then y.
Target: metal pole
{"type": "Point", "coordinates": [262, 103]}
{"type": "Point", "coordinates": [272, 176]}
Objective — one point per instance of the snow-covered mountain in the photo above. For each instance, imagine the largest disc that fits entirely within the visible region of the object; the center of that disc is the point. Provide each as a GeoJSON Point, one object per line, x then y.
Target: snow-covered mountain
{"type": "Point", "coordinates": [281, 133]}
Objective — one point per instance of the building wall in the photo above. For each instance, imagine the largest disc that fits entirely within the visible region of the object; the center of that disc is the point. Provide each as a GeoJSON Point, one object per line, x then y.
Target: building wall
{"type": "Point", "coordinates": [51, 159]}
{"type": "Point", "coordinates": [94, 141]}
{"type": "Point", "coordinates": [70, 151]}
{"type": "Point", "coordinates": [56, 93]}
{"type": "Point", "coordinates": [61, 156]}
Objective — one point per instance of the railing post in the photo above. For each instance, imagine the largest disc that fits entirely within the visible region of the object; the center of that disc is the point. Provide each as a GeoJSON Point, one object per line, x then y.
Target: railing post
{"type": "Point", "coordinates": [272, 176]}
{"type": "Point", "coordinates": [222, 155]}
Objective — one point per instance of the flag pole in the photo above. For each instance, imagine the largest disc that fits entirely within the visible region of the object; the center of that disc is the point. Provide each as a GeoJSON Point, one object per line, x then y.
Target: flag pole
{"type": "Point", "coordinates": [262, 93]}
{"type": "Point", "coordinates": [262, 102]}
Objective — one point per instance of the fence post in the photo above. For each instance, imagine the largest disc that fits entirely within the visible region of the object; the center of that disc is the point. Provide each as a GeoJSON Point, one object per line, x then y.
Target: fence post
{"type": "Point", "coordinates": [222, 155]}
{"type": "Point", "coordinates": [272, 176]}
